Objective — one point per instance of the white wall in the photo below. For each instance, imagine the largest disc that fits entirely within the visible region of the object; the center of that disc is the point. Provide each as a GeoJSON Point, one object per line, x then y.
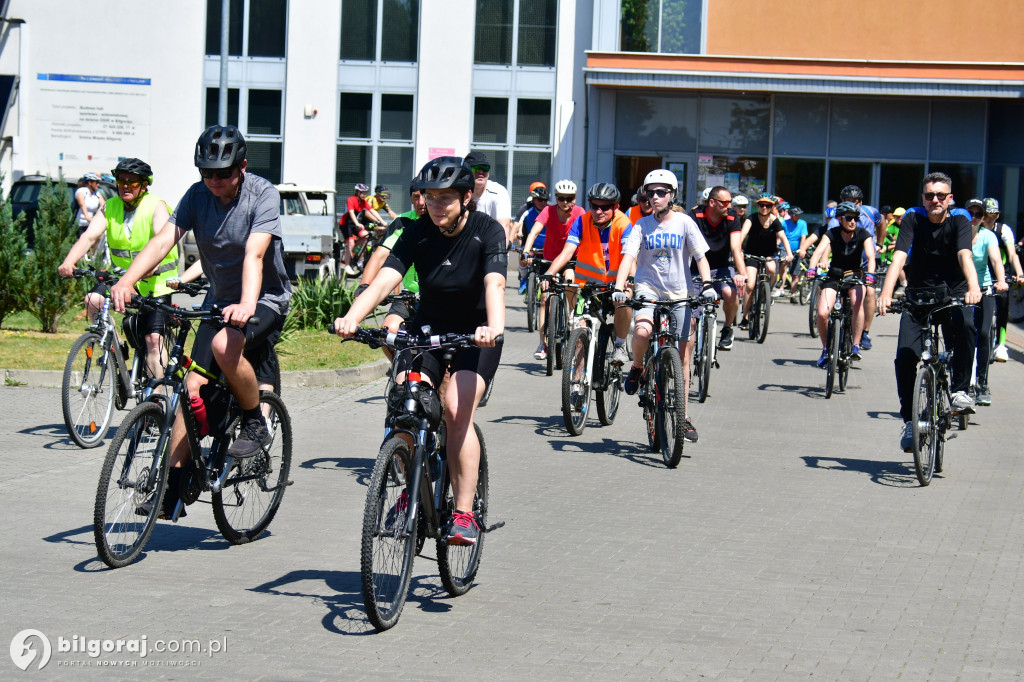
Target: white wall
{"type": "Point", "coordinates": [444, 103]}
{"type": "Point", "coordinates": [163, 42]}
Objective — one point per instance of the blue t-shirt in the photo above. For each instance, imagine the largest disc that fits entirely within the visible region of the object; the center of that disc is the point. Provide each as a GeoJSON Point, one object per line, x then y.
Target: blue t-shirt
{"type": "Point", "coordinates": [576, 233]}
{"type": "Point", "coordinates": [979, 254]}
{"type": "Point", "coordinates": [528, 220]}
{"type": "Point", "coordinates": [795, 229]}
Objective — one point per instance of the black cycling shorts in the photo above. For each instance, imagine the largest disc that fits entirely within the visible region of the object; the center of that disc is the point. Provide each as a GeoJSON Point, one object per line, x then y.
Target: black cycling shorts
{"type": "Point", "coordinates": [483, 361]}
{"type": "Point", "coordinates": [150, 321]}
{"type": "Point", "coordinates": [259, 340]}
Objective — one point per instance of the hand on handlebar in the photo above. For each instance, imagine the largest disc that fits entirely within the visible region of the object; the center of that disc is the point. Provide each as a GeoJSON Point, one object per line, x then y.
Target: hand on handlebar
{"type": "Point", "coordinates": [619, 296]}
{"type": "Point", "coordinates": [66, 269]}
{"type": "Point", "coordinates": [972, 297]}
{"type": "Point", "coordinates": [121, 295]}
{"type": "Point", "coordinates": [485, 336]}
{"type": "Point", "coordinates": [237, 314]}
{"type": "Point", "coordinates": [811, 273]}
{"type": "Point", "coordinates": [345, 327]}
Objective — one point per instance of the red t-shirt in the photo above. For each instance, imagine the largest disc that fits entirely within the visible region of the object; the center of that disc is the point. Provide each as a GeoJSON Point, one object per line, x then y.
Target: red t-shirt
{"type": "Point", "coordinates": [353, 203]}
{"type": "Point", "coordinates": [555, 231]}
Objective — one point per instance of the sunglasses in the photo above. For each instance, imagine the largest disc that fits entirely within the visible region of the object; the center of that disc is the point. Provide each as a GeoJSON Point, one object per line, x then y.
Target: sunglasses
{"type": "Point", "coordinates": [976, 214]}
{"type": "Point", "coordinates": [601, 207]}
{"type": "Point", "coordinates": [651, 193]}
{"type": "Point", "coordinates": [480, 169]}
{"type": "Point", "coordinates": [941, 196]}
{"type": "Point", "coordinates": [130, 184]}
{"type": "Point", "coordinates": [849, 218]}
{"type": "Point", "coordinates": [221, 174]}
{"type": "Point", "coordinates": [564, 198]}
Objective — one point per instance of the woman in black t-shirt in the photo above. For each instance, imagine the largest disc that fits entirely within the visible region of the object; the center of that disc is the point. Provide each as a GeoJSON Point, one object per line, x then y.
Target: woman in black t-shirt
{"type": "Point", "coordinates": [461, 258]}
{"type": "Point", "coordinates": [849, 245]}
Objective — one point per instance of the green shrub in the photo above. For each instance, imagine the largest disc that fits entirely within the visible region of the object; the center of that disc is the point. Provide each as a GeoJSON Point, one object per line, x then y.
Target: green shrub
{"type": "Point", "coordinates": [12, 261]}
{"type": "Point", "coordinates": [47, 296]}
{"type": "Point", "coordinates": [316, 303]}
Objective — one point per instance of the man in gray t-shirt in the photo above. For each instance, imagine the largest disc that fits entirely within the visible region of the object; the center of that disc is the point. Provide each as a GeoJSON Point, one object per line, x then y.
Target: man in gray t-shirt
{"type": "Point", "coordinates": [234, 216]}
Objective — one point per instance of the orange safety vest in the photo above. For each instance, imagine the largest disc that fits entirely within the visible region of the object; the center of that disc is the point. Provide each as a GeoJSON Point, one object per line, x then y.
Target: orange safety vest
{"type": "Point", "coordinates": [634, 214]}
{"type": "Point", "coordinates": [590, 253]}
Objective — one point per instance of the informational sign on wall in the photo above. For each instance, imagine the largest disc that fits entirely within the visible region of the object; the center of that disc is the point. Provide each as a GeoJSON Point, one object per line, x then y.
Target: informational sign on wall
{"type": "Point", "coordinates": [88, 123]}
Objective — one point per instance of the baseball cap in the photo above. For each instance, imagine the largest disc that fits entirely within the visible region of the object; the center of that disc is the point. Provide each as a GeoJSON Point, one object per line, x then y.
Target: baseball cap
{"type": "Point", "coordinates": [974, 203]}
{"type": "Point", "coordinates": [899, 211]}
{"type": "Point", "coordinates": [476, 159]}
{"type": "Point", "coordinates": [991, 205]}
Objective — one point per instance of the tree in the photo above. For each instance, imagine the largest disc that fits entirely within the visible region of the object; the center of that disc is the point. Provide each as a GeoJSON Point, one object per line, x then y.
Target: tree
{"type": "Point", "coordinates": [12, 261]}
{"type": "Point", "coordinates": [48, 297]}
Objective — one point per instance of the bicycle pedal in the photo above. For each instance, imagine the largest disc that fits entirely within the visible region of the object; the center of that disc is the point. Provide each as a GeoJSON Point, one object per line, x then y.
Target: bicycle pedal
{"type": "Point", "coordinates": [949, 436]}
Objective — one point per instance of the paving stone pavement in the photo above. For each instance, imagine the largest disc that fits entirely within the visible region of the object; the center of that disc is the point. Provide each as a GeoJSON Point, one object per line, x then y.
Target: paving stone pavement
{"type": "Point", "coordinates": [792, 542]}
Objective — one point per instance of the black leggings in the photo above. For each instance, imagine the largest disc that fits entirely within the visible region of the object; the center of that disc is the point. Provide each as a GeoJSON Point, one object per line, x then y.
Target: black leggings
{"type": "Point", "coordinates": [958, 333]}
{"type": "Point", "coordinates": [983, 323]}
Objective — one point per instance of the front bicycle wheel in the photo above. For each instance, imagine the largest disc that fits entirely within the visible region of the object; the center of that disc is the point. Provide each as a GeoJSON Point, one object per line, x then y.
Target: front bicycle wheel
{"type": "Point", "coordinates": [845, 351]}
{"type": "Point", "coordinates": [387, 551]}
{"type": "Point", "coordinates": [671, 406]}
{"type": "Point", "coordinates": [703, 361]}
{"type": "Point", "coordinates": [251, 495]}
{"type": "Point", "coordinates": [812, 308]}
{"type": "Point", "coordinates": [561, 331]}
{"type": "Point", "coordinates": [833, 356]}
{"type": "Point", "coordinates": [764, 304]}
{"type": "Point", "coordinates": [551, 334]}
{"type": "Point", "coordinates": [87, 391]}
{"type": "Point", "coordinates": [753, 323]}
{"type": "Point", "coordinates": [575, 383]}
{"type": "Point", "coordinates": [531, 302]}
{"type": "Point", "coordinates": [609, 396]}
{"type": "Point", "coordinates": [925, 424]}
{"type": "Point", "coordinates": [649, 401]}
{"type": "Point", "coordinates": [458, 564]}
{"type": "Point", "coordinates": [134, 472]}
{"type": "Point", "coordinates": [803, 290]}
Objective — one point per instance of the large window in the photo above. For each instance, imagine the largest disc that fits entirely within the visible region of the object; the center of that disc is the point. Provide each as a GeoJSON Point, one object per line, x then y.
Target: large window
{"type": "Point", "coordinates": [527, 25]}
{"type": "Point", "coordinates": [375, 133]}
{"type": "Point", "coordinates": [263, 23]}
{"type": "Point", "coordinates": [363, 37]}
{"type": "Point", "coordinates": [670, 26]}
{"type": "Point", "coordinates": [516, 136]}
{"type": "Point", "coordinates": [262, 125]}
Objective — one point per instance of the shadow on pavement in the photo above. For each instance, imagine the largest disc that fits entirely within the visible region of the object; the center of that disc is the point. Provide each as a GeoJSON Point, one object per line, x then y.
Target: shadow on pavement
{"type": "Point", "coordinates": [894, 474]}
{"type": "Point", "coordinates": [345, 610]}
{"type": "Point", "coordinates": [550, 427]}
{"type": "Point", "coordinates": [878, 414]}
{"type": "Point", "coordinates": [59, 436]}
{"type": "Point", "coordinates": [638, 453]}
{"type": "Point", "coordinates": [360, 467]}
{"type": "Point", "coordinates": [166, 537]}
{"type": "Point", "coordinates": [534, 368]}
{"type": "Point", "coordinates": [816, 392]}
{"type": "Point", "coordinates": [786, 362]}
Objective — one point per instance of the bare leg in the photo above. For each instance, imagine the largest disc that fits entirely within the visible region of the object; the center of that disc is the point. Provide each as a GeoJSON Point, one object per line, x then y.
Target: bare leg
{"type": "Point", "coordinates": [465, 391]}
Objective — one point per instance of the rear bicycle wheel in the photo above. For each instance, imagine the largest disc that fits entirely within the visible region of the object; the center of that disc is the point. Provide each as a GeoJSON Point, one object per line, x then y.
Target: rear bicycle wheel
{"type": "Point", "coordinates": [845, 350]}
{"type": "Point", "coordinates": [575, 383]}
{"type": "Point", "coordinates": [551, 334]}
{"type": "Point", "coordinates": [803, 290]}
{"type": "Point", "coordinates": [671, 406]}
{"type": "Point", "coordinates": [531, 302]}
{"type": "Point", "coordinates": [650, 401]}
{"type": "Point", "coordinates": [834, 333]}
{"type": "Point", "coordinates": [88, 391]}
{"type": "Point", "coordinates": [386, 551]}
{"type": "Point", "coordinates": [561, 331]}
{"type": "Point", "coordinates": [753, 323]}
{"type": "Point", "coordinates": [134, 472]}
{"type": "Point", "coordinates": [943, 412]}
{"type": "Point", "coordinates": [252, 493]}
{"type": "Point", "coordinates": [812, 308]}
{"type": "Point", "coordinates": [925, 414]}
{"type": "Point", "coordinates": [609, 396]}
{"type": "Point", "coordinates": [764, 304]}
{"type": "Point", "coordinates": [458, 564]}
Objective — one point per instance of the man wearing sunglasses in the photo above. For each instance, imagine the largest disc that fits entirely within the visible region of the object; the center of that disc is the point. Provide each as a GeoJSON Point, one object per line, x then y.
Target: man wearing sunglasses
{"type": "Point", "coordinates": [491, 197]}
{"type": "Point", "coordinates": [130, 221]}
{"type": "Point", "coordinates": [871, 220]}
{"type": "Point", "coordinates": [942, 262]}
{"type": "Point", "coordinates": [235, 217]}
{"type": "Point", "coordinates": [721, 231]}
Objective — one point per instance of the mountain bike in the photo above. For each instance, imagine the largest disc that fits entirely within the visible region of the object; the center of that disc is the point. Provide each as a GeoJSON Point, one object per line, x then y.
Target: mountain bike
{"type": "Point", "coordinates": [245, 493]}
{"type": "Point", "coordinates": [705, 349]}
{"type": "Point", "coordinates": [761, 301]}
{"type": "Point", "coordinates": [101, 373]}
{"type": "Point", "coordinates": [410, 494]}
{"type": "Point", "coordinates": [557, 319]}
{"type": "Point", "coordinates": [932, 405]}
{"type": "Point", "coordinates": [588, 362]}
{"type": "Point", "coordinates": [538, 266]}
{"type": "Point", "coordinates": [839, 342]}
{"type": "Point", "coordinates": [661, 393]}
{"type": "Point", "coordinates": [814, 289]}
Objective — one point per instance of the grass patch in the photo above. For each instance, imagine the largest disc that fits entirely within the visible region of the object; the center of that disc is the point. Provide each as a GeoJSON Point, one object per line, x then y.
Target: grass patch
{"type": "Point", "coordinates": [35, 350]}
{"type": "Point", "coordinates": [314, 349]}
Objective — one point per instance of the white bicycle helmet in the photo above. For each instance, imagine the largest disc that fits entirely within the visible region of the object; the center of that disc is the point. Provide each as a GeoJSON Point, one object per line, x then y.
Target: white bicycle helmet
{"type": "Point", "coordinates": [662, 177]}
{"type": "Point", "coordinates": [565, 187]}
{"type": "Point", "coordinates": [740, 200]}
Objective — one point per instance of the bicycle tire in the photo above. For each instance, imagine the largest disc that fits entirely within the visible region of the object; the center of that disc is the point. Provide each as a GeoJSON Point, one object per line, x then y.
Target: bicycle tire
{"type": "Point", "coordinates": [486, 398]}
{"type": "Point", "coordinates": [561, 331]}
{"type": "Point", "coordinates": [551, 333]}
{"type": "Point", "coordinates": [671, 406]}
{"type": "Point", "coordinates": [531, 302]}
{"type": "Point", "coordinates": [650, 401]}
{"type": "Point", "coordinates": [244, 507]}
{"type": "Point", "coordinates": [845, 351]}
{"type": "Point", "coordinates": [458, 564]}
{"type": "Point", "coordinates": [925, 424]}
{"type": "Point", "coordinates": [609, 394]}
{"type": "Point", "coordinates": [704, 359]}
{"type": "Point", "coordinates": [765, 307]}
{"type": "Point", "coordinates": [803, 290]}
{"type": "Point", "coordinates": [576, 352]}
{"type": "Point", "coordinates": [86, 418]}
{"type": "Point", "coordinates": [812, 312]}
{"type": "Point", "coordinates": [753, 320]}
{"type": "Point", "coordinates": [945, 408]}
{"type": "Point", "coordinates": [386, 557]}
{"type": "Point", "coordinates": [833, 357]}
{"type": "Point", "coordinates": [126, 482]}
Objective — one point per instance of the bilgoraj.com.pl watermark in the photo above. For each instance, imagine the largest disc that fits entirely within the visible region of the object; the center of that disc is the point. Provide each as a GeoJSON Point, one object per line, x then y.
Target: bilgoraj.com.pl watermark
{"type": "Point", "coordinates": [32, 646]}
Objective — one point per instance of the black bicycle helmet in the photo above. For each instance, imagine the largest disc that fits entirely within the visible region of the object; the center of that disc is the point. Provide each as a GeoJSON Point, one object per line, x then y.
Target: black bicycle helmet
{"type": "Point", "coordinates": [851, 192]}
{"type": "Point", "coordinates": [604, 191]}
{"type": "Point", "coordinates": [845, 207]}
{"type": "Point", "coordinates": [136, 166]}
{"type": "Point", "coordinates": [380, 189]}
{"type": "Point", "coordinates": [220, 147]}
{"type": "Point", "coordinates": [541, 193]}
{"type": "Point", "coordinates": [445, 172]}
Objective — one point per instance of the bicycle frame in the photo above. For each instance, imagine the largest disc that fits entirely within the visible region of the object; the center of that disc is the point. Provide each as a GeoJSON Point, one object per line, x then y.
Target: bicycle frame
{"type": "Point", "coordinates": [104, 325]}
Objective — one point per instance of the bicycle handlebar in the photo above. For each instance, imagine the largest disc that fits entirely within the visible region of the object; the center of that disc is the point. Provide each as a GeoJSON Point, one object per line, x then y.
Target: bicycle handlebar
{"type": "Point", "coordinates": [375, 338]}
{"type": "Point", "coordinates": [103, 276]}
{"type": "Point", "coordinates": [214, 314]}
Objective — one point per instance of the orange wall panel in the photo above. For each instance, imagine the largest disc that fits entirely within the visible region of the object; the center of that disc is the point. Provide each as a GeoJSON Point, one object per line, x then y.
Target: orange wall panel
{"type": "Point", "coordinates": [939, 30]}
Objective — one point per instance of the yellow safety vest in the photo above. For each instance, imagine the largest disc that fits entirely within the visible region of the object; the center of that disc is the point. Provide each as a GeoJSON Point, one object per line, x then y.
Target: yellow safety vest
{"type": "Point", "coordinates": [124, 249]}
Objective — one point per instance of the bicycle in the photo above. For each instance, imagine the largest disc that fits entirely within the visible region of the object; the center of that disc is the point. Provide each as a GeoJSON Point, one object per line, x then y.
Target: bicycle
{"type": "Point", "coordinates": [360, 253]}
{"type": "Point", "coordinates": [245, 493]}
{"type": "Point", "coordinates": [761, 301]}
{"type": "Point", "coordinates": [705, 350]}
{"type": "Point", "coordinates": [557, 319]}
{"type": "Point", "coordinates": [410, 494]}
{"type": "Point", "coordinates": [538, 266]}
{"type": "Point", "coordinates": [932, 406]}
{"type": "Point", "coordinates": [839, 342]}
{"type": "Point", "coordinates": [661, 393]}
{"type": "Point", "coordinates": [101, 374]}
{"type": "Point", "coordinates": [588, 363]}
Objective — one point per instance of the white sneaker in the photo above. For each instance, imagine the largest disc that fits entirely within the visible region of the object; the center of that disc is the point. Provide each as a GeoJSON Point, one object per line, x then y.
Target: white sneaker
{"type": "Point", "coordinates": [777, 293]}
{"type": "Point", "coordinates": [541, 353]}
{"type": "Point", "coordinates": [620, 355]}
{"type": "Point", "coordinates": [962, 403]}
{"type": "Point", "coordinates": [351, 271]}
{"type": "Point", "coordinates": [1000, 354]}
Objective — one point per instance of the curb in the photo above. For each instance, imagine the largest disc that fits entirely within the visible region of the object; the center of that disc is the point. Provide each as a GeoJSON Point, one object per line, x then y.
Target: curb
{"type": "Point", "coordinates": [52, 378]}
